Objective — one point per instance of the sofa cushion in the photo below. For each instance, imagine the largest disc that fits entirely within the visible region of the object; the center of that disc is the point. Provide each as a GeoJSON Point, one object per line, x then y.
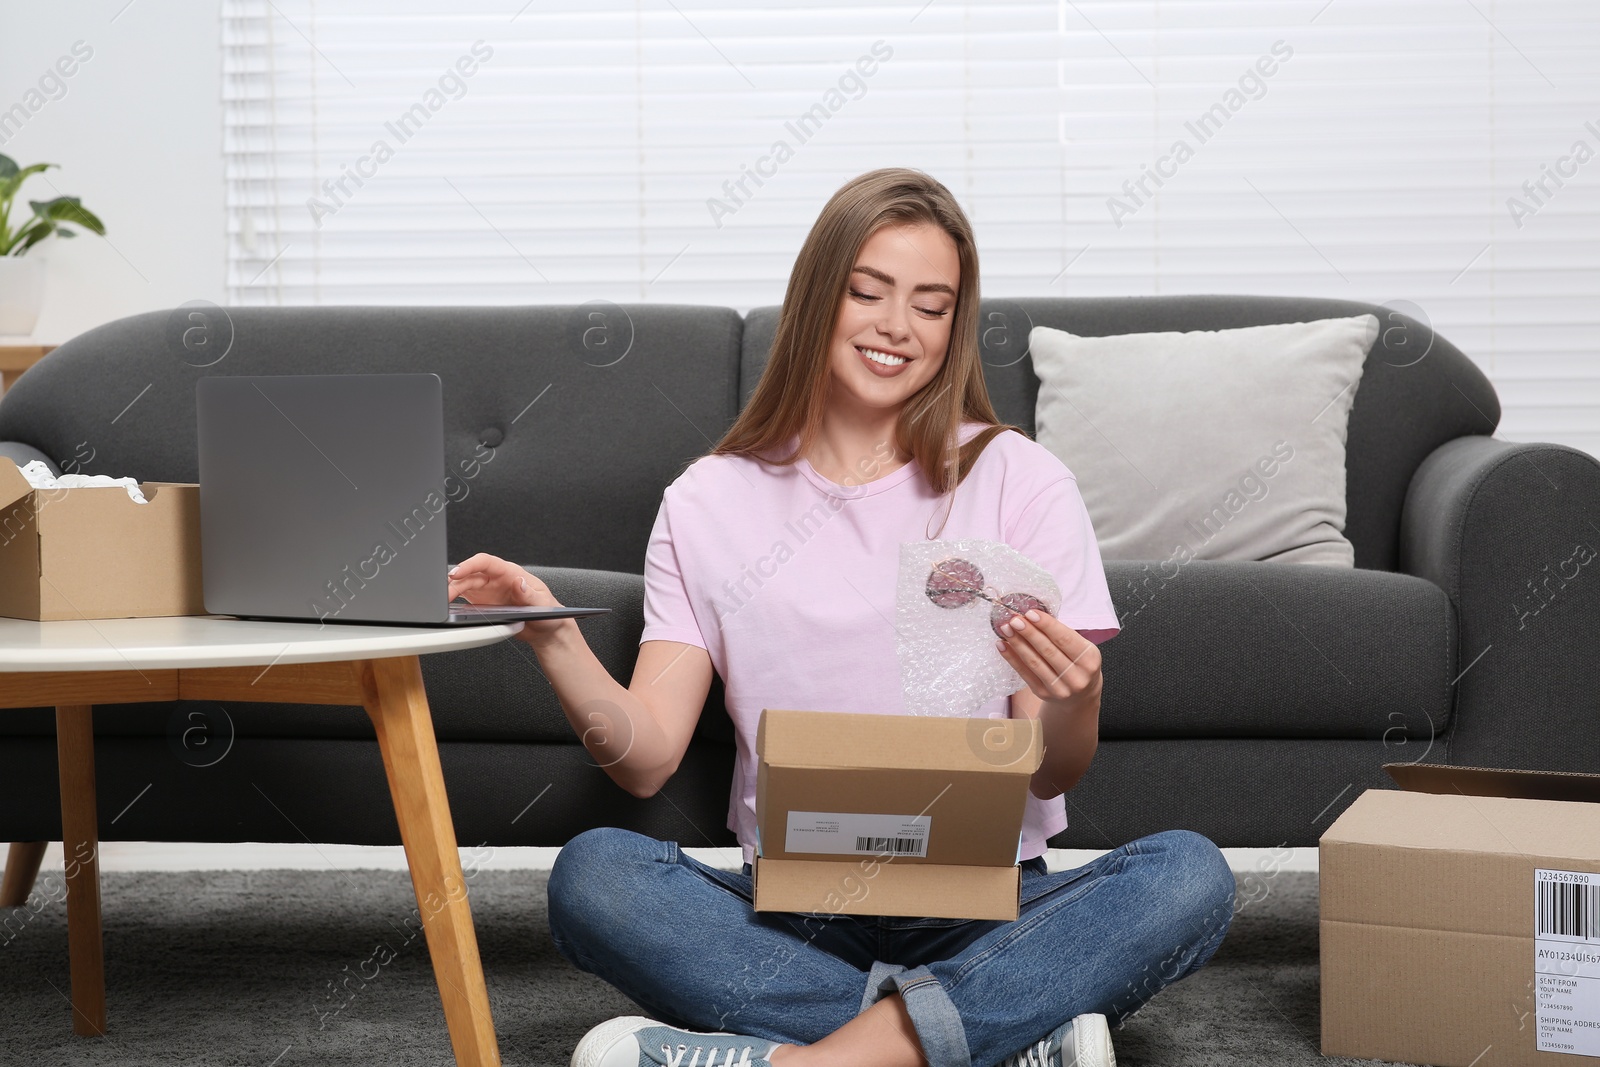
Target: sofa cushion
{"type": "Point", "coordinates": [1417, 389]}
{"type": "Point", "coordinates": [582, 414]}
{"type": "Point", "coordinates": [1207, 444]}
{"type": "Point", "coordinates": [1232, 648]}
{"type": "Point", "coordinates": [1205, 651]}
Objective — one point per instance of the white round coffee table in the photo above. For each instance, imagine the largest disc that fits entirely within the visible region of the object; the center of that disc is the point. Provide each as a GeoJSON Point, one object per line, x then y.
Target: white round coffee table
{"type": "Point", "coordinates": [75, 665]}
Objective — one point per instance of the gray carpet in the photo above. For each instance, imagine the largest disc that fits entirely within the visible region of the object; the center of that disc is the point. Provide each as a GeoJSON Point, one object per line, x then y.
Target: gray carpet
{"type": "Point", "coordinates": [225, 968]}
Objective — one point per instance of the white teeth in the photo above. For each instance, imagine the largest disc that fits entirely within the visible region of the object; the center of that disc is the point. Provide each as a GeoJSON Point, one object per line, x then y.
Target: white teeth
{"type": "Point", "coordinates": [882, 357]}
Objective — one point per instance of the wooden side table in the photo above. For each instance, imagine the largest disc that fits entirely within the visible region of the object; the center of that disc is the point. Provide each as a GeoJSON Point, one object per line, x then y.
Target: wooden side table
{"type": "Point", "coordinates": [75, 665]}
{"type": "Point", "coordinates": [14, 359]}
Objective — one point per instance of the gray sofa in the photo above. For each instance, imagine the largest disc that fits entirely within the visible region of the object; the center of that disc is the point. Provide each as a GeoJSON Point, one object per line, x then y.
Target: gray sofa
{"type": "Point", "coordinates": [1248, 701]}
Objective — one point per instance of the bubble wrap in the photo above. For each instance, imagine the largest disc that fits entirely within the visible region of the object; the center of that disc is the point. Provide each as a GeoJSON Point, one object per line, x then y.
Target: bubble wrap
{"type": "Point", "coordinates": [949, 664]}
{"type": "Point", "coordinates": [39, 476]}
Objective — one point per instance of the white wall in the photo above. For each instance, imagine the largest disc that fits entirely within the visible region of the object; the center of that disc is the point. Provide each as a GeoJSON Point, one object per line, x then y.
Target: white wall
{"type": "Point", "coordinates": [138, 135]}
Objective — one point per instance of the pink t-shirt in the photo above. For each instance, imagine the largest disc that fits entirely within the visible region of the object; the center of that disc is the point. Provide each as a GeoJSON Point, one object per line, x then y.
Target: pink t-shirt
{"type": "Point", "coordinates": [788, 580]}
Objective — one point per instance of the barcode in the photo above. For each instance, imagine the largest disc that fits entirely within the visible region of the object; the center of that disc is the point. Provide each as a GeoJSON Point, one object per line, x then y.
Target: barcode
{"type": "Point", "coordinates": [1568, 909]}
{"type": "Point", "coordinates": [898, 845]}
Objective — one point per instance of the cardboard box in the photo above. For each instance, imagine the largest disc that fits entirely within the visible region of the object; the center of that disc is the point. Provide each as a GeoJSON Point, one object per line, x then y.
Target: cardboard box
{"type": "Point", "coordinates": [93, 553]}
{"type": "Point", "coordinates": [1460, 920]}
{"type": "Point", "coordinates": [891, 814]}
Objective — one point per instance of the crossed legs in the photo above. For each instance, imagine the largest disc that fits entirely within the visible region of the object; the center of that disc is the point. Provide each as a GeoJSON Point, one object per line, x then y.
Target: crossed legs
{"type": "Point", "coordinates": [683, 941]}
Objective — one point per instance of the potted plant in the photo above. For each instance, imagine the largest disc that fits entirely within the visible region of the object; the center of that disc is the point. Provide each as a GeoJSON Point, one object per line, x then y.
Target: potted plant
{"type": "Point", "coordinates": [22, 279]}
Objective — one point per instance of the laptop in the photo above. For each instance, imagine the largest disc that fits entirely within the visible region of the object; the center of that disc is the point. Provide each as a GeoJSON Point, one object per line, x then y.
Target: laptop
{"type": "Point", "coordinates": [325, 497]}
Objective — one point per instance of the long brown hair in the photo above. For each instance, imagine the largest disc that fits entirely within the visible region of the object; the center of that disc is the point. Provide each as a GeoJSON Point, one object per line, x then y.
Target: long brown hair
{"type": "Point", "coordinates": [789, 398]}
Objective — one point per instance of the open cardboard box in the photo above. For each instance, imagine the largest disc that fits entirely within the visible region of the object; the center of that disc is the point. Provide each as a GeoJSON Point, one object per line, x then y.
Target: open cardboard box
{"type": "Point", "coordinates": [1460, 919]}
{"type": "Point", "coordinates": [910, 815]}
{"type": "Point", "coordinates": [94, 553]}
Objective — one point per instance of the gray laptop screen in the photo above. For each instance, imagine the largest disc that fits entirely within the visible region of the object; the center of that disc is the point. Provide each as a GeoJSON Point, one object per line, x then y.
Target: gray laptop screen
{"type": "Point", "coordinates": [323, 496]}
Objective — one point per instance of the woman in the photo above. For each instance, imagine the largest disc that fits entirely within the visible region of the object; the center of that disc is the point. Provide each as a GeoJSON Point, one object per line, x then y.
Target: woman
{"type": "Point", "coordinates": [773, 561]}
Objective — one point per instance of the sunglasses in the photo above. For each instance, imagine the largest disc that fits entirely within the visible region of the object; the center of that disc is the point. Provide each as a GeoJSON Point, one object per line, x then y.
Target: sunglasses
{"type": "Point", "coordinates": [955, 583]}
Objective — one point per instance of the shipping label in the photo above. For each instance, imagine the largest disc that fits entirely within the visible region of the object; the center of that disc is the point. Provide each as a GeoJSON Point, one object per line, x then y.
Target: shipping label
{"type": "Point", "coordinates": [850, 833]}
{"type": "Point", "coordinates": [1566, 961]}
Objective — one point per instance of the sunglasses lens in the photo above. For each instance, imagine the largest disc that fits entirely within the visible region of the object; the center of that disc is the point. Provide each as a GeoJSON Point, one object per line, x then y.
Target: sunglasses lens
{"type": "Point", "coordinates": [1019, 603]}
{"type": "Point", "coordinates": [954, 583]}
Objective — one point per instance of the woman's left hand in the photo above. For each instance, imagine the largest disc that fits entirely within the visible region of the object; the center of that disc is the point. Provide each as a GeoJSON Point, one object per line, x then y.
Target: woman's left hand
{"type": "Point", "coordinates": [1056, 661]}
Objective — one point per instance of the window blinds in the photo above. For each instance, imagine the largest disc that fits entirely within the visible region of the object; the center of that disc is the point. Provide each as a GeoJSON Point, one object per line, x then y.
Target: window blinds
{"type": "Point", "coordinates": [1435, 154]}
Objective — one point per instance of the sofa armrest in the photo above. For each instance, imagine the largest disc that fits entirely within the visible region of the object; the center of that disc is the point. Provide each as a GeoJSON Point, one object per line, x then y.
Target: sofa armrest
{"type": "Point", "coordinates": [1510, 532]}
{"type": "Point", "coordinates": [22, 455]}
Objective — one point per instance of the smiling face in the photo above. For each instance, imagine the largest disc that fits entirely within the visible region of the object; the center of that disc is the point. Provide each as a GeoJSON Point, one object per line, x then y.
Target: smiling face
{"type": "Point", "coordinates": [894, 316]}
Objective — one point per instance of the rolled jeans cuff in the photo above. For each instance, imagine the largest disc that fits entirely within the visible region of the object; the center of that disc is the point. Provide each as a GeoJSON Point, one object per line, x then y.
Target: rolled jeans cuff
{"type": "Point", "coordinates": [938, 1026]}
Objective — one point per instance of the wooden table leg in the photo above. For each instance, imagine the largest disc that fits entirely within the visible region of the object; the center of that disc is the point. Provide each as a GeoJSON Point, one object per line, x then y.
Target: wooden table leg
{"type": "Point", "coordinates": [22, 867]}
{"type": "Point", "coordinates": [80, 843]}
{"type": "Point", "coordinates": [393, 694]}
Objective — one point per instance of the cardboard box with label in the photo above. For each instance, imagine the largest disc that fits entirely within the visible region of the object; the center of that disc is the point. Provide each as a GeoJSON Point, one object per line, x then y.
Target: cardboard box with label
{"type": "Point", "coordinates": [92, 552]}
{"type": "Point", "coordinates": [1460, 920]}
{"type": "Point", "coordinates": [909, 815]}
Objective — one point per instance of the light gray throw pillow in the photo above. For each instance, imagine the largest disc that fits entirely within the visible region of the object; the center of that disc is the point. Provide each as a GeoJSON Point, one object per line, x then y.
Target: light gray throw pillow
{"type": "Point", "coordinates": [1211, 444]}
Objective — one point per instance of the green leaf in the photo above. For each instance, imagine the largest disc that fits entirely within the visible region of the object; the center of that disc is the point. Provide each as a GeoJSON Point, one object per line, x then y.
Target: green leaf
{"type": "Point", "coordinates": [9, 184]}
{"type": "Point", "coordinates": [47, 214]}
{"type": "Point", "coordinates": [90, 221]}
{"type": "Point", "coordinates": [32, 234]}
{"type": "Point", "coordinates": [67, 209]}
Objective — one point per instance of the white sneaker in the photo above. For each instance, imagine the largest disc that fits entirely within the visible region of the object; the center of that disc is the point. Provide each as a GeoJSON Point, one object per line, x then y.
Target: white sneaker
{"type": "Point", "coordinates": [1081, 1042]}
{"type": "Point", "coordinates": [635, 1041]}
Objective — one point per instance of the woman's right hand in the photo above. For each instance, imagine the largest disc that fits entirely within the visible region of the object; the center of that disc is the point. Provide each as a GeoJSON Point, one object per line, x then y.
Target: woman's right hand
{"type": "Point", "coordinates": [486, 579]}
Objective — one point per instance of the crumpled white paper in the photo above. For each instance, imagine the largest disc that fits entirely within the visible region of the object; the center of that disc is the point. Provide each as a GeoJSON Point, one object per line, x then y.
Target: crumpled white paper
{"type": "Point", "coordinates": [949, 664]}
{"type": "Point", "coordinates": [39, 476]}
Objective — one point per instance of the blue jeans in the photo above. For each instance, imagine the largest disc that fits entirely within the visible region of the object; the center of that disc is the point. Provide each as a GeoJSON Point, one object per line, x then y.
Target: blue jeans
{"type": "Point", "coordinates": [681, 939]}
